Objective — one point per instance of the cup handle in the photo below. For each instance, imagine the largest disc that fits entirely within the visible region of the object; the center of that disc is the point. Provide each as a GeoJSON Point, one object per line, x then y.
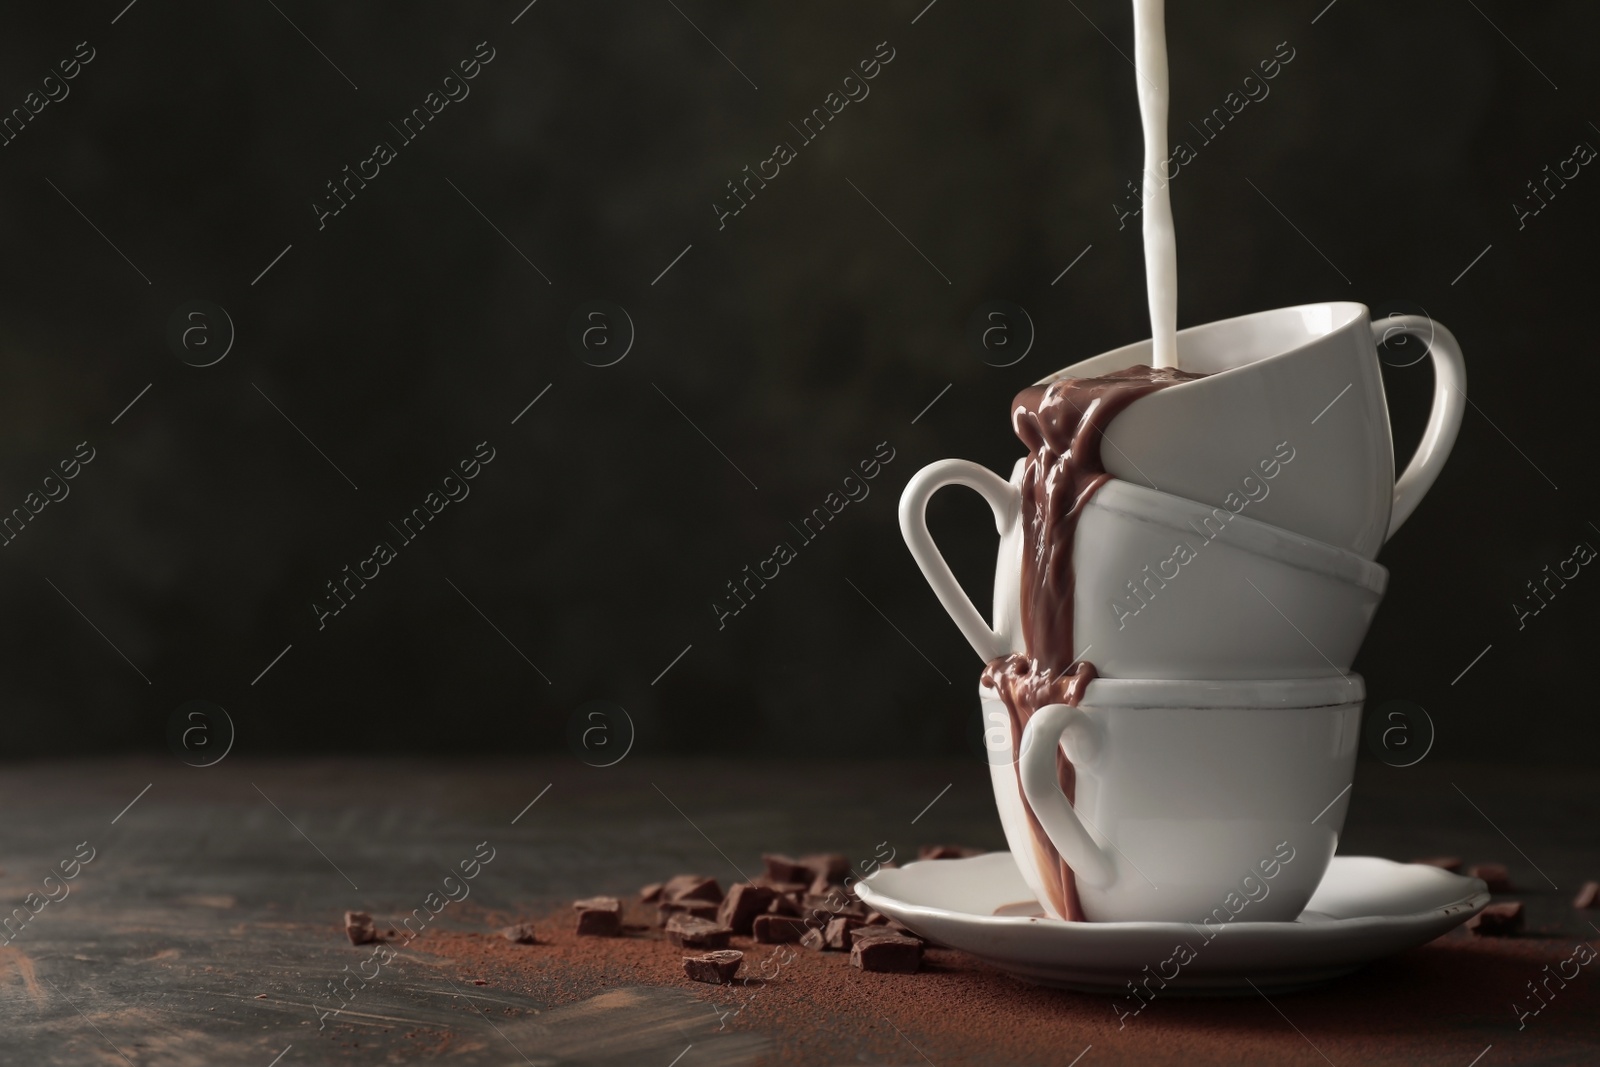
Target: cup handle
{"type": "Point", "coordinates": [1449, 404]}
{"type": "Point", "coordinates": [1037, 764]}
{"type": "Point", "coordinates": [1003, 499]}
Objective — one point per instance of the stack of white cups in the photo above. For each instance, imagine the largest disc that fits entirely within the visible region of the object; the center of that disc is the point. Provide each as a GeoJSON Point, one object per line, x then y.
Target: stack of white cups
{"type": "Point", "coordinates": [1224, 581]}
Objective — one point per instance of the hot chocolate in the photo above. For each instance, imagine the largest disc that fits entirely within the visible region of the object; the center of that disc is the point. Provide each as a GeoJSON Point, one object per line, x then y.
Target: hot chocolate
{"type": "Point", "coordinates": [1062, 425]}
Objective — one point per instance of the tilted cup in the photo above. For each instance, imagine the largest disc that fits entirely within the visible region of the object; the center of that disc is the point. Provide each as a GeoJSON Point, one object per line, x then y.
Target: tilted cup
{"type": "Point", "coordinates": [1198, 802]}
{"type": "Point", "coordinates": [1308, 376]}
{"type": "Point", "coordinates": [1166, 587]}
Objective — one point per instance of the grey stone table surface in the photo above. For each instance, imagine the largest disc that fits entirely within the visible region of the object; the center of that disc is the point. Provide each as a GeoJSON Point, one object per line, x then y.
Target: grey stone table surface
{"type": "Point", "coordinates": [206, 927]}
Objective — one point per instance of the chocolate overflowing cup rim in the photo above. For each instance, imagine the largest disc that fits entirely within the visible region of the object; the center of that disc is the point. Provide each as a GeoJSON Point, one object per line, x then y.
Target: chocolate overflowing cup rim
{"type": "Point", "coordinates": [1345, 312]}
{"type": "Point", "coordinates": [1241, 532]}
{"type": "Point", "coordinates": [1287, 694]}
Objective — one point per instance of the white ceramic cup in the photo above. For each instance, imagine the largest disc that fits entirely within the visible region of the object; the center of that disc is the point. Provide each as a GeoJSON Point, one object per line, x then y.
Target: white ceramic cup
{"type": "Point", "coordinates": [1189, 795]}
{"type": "Point", "coordinates": [1166, 587]}
{"type": "Point", "coordinates": [1307, 375]}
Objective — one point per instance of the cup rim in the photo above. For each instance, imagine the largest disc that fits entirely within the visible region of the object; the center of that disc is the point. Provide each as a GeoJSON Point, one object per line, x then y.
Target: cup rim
{"type": "Point", "coordinates": [1143, 504]}
{"type": "Point", "coordinates": [1346, 313]}
{"type": "Point", "coordinates": [1289, 694]}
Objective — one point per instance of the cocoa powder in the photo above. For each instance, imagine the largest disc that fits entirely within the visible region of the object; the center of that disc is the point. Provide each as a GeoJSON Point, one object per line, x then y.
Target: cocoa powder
{"type": "Point", "coordinates": [957, 1010]}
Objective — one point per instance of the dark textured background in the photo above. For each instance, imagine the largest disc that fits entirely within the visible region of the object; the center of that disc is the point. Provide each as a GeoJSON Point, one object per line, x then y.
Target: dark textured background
{"type": "Point", "coordinates": [797, 338]}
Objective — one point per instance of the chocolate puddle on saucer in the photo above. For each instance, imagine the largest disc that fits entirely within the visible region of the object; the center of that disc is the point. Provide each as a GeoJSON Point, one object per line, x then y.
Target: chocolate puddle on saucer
{"type": "Point", "coordinates": [1062, 424]}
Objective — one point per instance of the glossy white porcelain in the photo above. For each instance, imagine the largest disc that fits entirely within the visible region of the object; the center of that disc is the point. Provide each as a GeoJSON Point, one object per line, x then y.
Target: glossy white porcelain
{"type": "Point", "coordinates": [1364, 909]}
{"type": "Point", "coordinates": [1191, 797]}
{"type": "Point", "coordinates": [1166, 587]}
{"type": "Point", "coordinates": [1305, 375]}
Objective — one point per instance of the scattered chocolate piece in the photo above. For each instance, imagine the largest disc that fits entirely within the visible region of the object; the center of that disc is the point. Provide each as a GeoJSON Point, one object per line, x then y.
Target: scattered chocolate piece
{"type": "Point", "coordinates": [829, 866]}
{"type": "Point", "coordinates": [714, 968]}
{"type": "Point", "coordinates": [698, 909]}
{"type": "Point", "coordinates": [821, 884]}
{"type": "Point", "coordinates": [784, 904]}
{"type": "Point", "coordinates": [520, 934]}
{"type": "Point", "coordinates": [778, 929]}
{"type": "Point", "coordinates": [1497, 920]}
{"type": "Point", "coordinates": [833, 904]}
{"type": "Point", "coordinates": [650, 893]}
{"type": "Point", "coordinates": [947, 852]}
{"type": "Point", "coordinates": [1445, 863]}
{"type": "Point", "coordinates": [837, 934]}
{"type": "Point", "coordinates": [887, 954]}
{"type": "Point", "coordinates": [877, 918]}
{"type": "Point", "coordinates": [685, 931]}
{"type": "Point", "coordinates": [1588, 896]}
{"type": "Point", "coordinates": [741, 906]}
{"type": "Point", "coordinates": [691, 887]}
{"type": "Point", "coordinates": [783, 889]}
{"type": "Point", "coordinates": [780, 868]}
{"type": "Point", "coordinates": [885, 925]}
{"type": "Point", "coordinates": [815, 939]}
{"type": "Point", "coordinates": [593, 923]}
{"type": "Point", "coordinates": [599, 916]}
{"type": "Point", "coordinates": [1494, 875]}
{"type": "Point", "coordinates": [358, 927]}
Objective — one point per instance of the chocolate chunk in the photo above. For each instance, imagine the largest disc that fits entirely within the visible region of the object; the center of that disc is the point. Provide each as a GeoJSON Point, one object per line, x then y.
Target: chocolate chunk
{"type": "Point", "coordinates": [596, 923]}
{"type": "Point", "coordinates": [833, 904]}
{"type": "Point", "coordinates": [885, 926]}
{"type": "Point", "coordinates": [780, 868]}
{"type": "Point", "coordinates": [699, 909]}
{"type": "Point", "coordinates": [1494, 875]}
{"type": "Point", "coordinates": [830, 867]}
{"type": "Point", "coordinates": [1588, 896]}
{"type": "Point", "coordinates": [778, 929]}
{"type": "Point", "coordinates": [783, 889]}
{"type": "Point", "coordinates": [358, 927]}
{"type": "Point", "coordinates": [815, 938]}
{"type": "Point", "coordinates": [650, 893]}
{"type": "Point", "coordinates": [741, 906]}
{"type": "Point", "coordinates": [947, 852]}
{"type": "Point", "coordinates": [877, 918]}
{"type": "Point", "coordinates": [599, 916]}
{"type": "Point", "coordinates": [837, 934]}
{"type": "Point", "coordinates": [714, 968]}
{"type": "Point", "coordinates": [1497, 920]}
{"type": "Point", "coordinates": [688, 932]}
{"type": "Point", "coordinates": [691, 887]}
{"type": "Point", "coordinates": [821, 884]}
{"type": "Point", "coordinates": [1446, 863]}
{"type": "Point", "coordinates": [784, 904]}
{"type": "Point", "coordinates": [598, 904]}
{"type": "Point", "coordinates": [887, 954]}
{"type": "Point", "coordinates": [520, 933]}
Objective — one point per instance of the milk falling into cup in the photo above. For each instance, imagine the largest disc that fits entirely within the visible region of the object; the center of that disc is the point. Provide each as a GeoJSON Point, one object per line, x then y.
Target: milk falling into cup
{"type": "Point", "coordinates": [1160, 242]}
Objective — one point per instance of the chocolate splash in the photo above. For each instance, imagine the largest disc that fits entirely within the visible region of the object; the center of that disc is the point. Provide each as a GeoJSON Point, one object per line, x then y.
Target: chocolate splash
{"type": "Point", "coordinates": [1062, 424]}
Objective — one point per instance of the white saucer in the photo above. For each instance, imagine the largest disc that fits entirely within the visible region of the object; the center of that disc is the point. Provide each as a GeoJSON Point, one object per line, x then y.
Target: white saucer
{"type": "Point", "coordinates": [1366, 908]}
